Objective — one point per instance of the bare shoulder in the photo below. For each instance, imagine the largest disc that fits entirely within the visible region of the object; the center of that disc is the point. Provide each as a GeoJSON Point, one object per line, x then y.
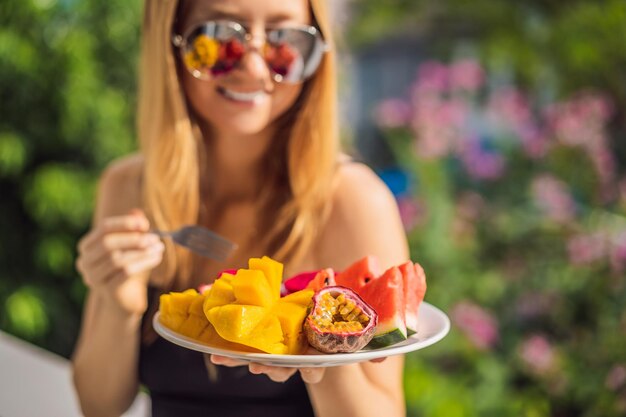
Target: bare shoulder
{"type": "Point", "coordinates": [119, 187]}
{"type": "Point", "coordinates": [364, 220]}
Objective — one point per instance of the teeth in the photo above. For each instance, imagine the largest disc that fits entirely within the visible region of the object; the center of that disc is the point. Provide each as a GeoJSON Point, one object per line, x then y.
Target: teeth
{"type": "Point", "coordinates": [241, 96]}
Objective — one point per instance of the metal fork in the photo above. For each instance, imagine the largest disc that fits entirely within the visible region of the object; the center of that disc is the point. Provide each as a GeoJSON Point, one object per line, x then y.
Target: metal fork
{"type": "Point", "coordinates": [200, 240]}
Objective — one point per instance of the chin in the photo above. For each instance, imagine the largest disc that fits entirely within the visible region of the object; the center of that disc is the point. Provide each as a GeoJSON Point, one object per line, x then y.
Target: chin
{"type": "Point", "coordinates": [241, 124]}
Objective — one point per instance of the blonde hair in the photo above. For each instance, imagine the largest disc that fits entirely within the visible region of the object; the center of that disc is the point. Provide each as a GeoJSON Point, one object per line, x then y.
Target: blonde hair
{"type": "Point", "coordinates": [172, 149]}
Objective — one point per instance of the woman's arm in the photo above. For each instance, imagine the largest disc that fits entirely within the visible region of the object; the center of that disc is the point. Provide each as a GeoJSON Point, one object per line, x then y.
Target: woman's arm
{"type": "Point", "coordinates": [114, 260]}
{"type": "Point", "coordinates": [364, 221]}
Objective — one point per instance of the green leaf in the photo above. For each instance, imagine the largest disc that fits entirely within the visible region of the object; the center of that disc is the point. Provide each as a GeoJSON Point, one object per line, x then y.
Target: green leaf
{"type": "Point", "coordinates": [60, 194]}
{"type": "Point", "coordinates": [26, 313]}
{"type": "Point", "coordinates": [13, 154]}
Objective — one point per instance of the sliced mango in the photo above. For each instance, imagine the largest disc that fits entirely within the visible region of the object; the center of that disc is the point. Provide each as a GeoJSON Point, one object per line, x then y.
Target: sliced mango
{"type": "Point", "coordinates": [182, 312]}
{"type": "Point", "coordinates": [302, 298]}
{"type": "Point", "coordinates": [193, 326]}
{"type": "Point", "coordinates": [196, 306]}
{"type": "Point", "coordinates": [251, 287]}
{"type": "Point", "coordinates": [243, 311]}
{"type": "Point", "coordinates": [173, 321]}
{"type": "Point", "coordinates": [221, 293]}
{"type": "Point", "coordinates": [180, 301]}
{"type": "Point", "coordinates": [210, 337]}
{"type": "Point", "coordinates": [272, 270]}
{"type": "Point", "coordinates": [291, 317]}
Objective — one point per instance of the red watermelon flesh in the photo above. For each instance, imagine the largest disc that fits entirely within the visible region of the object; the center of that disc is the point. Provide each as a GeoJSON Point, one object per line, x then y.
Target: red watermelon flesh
{"type": "Point", "coordinates": [323, 278]}
{"type": "Point", "coordinates": [421, 282]}
{"type": "Point", "coordinates": [386, 295]}
{"type": "Point", "coordinates": [414, 291]}
{"type": "Point", "coordinates": [359, 273]}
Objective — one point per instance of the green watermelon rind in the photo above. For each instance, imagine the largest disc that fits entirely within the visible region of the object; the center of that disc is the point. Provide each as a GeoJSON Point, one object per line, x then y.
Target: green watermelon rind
{"type": "Point", "coordinates": [389, 333]}
{"type": "Point", "coordinates": [387, 339]}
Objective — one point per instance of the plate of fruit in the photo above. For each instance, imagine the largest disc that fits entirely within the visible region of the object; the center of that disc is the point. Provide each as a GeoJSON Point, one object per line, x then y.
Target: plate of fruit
{"type": "Point", "coordinates": [315, 319]}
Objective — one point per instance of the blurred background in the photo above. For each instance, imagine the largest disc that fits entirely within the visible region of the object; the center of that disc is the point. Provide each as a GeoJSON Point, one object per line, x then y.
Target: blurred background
{"type": "Point", "coordinates": [499, 126]}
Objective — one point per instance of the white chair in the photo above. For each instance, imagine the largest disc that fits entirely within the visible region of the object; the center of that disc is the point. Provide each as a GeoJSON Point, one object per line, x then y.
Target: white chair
{"type": "Point", "coordinates": [35, 382]}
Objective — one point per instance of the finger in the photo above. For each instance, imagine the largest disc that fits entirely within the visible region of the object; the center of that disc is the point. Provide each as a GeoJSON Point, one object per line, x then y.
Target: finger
{"type": "Point", "coordinates": [124, 264]}
{"type": "Point", "coordinates": [128, 223]}
{"type": "Point", "coordinates": [135, 220]}
{"type": "Point", "coordinates": [225, 361]}
{"type": "Point", "coordinates": [275, 373]}
{"type": "Point", "coordinates": [116, 261]}
{"type": "Point", "coordinates": [110, 243]}
{"type": "Point", "coordinates": [312, 375]}
{"type": "Point", "coordinates": [378, 360]}
{"type": "Point", "coordinates": [131, 271]}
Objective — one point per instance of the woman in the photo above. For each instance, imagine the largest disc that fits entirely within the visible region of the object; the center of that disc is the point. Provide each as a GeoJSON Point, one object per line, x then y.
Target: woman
{"type": "Point", "coordinates": [237, 126]}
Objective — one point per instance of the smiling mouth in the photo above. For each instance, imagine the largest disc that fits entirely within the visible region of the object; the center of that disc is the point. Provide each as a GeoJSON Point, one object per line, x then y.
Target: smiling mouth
{"type": "Point", "coordinates": [242, 96]}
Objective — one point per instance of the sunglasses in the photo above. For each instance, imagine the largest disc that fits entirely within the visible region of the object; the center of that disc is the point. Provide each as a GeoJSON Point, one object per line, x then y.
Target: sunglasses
{"type": "Point", "coordinates": [214, 48]}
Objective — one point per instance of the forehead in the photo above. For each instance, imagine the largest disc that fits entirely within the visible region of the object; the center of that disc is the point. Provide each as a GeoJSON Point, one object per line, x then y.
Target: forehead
{"type": "Point", "coordinates": [249, 10]}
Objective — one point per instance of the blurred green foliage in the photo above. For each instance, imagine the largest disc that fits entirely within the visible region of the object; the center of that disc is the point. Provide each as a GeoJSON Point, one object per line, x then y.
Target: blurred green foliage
{"type": "Point", "coordinates": [67, 82]}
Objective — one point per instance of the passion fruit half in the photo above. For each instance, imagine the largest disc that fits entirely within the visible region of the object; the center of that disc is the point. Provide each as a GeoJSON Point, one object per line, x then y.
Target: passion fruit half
{"type": "Point", "coordinates": [339, 321]}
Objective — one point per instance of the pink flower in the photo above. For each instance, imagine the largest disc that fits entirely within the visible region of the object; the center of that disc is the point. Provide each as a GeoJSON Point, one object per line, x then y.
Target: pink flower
{"type": "Point", "coordinates": [437, 124]}
{"type": "Point", "coordinates": [586, 249]}
{"type": "Point", "coordinates": [481, 164]}
{"type": "Point", "coordinates": [509, 110]}
{"type": "Point", "coordinates": [534, 142]}
{"type": "Point", "coordinates": [617, 255]}
{"type": "Point", "coordinates": [580, 121]}
{"type": "Point", "coordinates": [393, 113]}
{"type": "Point", "coordinates": [538, 354]}
{"type": "Point", "coordinates": [467, 75]}
{"type": "Point", "coordinates": [616, 377]}
{"type": "Point", "coordinates": [606, 167]}
{"type": "Point", "coordinates": [432, 77]}
{"type": "Point", "coordinates": [480, 326]}
{"type": "Point", "coordinates": [553, 198]}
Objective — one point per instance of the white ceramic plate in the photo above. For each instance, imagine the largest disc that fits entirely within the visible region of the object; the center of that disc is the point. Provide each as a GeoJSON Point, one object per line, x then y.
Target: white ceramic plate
{"type": "Point", "coordinates": [433, 325]}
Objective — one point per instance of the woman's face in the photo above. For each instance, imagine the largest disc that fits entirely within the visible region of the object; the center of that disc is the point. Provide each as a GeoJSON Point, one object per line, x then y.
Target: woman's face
{"type": "Point", "coordinates": [245, 100]}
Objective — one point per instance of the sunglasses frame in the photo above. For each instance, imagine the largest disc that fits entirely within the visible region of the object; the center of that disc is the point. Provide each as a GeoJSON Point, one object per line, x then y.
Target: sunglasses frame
{"type": "Point", "coordinates": [180, 42]}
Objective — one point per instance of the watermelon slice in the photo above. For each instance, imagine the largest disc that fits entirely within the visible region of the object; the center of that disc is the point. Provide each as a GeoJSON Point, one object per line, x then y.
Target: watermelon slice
{"type": "Point", "coordinates": [323, 278]}
{"type": "Point", "coordinates": [421, 284]}
{"type": "Point", "coordinates": [359, 273]}
{"type": "Point", "coordinates": [386, 295]}
{"type": "Point", "coordinates": [414, 290]}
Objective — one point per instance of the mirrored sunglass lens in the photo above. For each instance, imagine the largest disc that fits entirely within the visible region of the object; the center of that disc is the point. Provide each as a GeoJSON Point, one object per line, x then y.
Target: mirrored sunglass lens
{"type": "Point", "coordinates": [293, 54]}
{"type": "Point", "coordinates": [213, 49]}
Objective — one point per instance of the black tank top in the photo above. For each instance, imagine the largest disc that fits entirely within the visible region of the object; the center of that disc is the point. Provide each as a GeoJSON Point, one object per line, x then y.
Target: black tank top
{"type": "Point", "coordinates": [179, 386]}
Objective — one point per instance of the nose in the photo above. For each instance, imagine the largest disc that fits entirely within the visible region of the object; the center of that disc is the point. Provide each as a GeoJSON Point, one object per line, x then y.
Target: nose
{"type": "Point", "coordinates": [253, 62]}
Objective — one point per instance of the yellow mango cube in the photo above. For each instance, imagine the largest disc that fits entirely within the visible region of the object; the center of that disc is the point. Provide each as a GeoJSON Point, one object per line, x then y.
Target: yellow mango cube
{"type": "Point", "coordinates": [273, 271]}
{"type": "Point", "coordinates": [250, 287]}
{"type": "Point", "coordinates": [193, 326]}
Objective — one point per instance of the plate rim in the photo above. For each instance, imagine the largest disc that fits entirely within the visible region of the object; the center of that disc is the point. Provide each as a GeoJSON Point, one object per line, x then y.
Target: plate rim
{"type": "Point", "coordinates": [412, 343]}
